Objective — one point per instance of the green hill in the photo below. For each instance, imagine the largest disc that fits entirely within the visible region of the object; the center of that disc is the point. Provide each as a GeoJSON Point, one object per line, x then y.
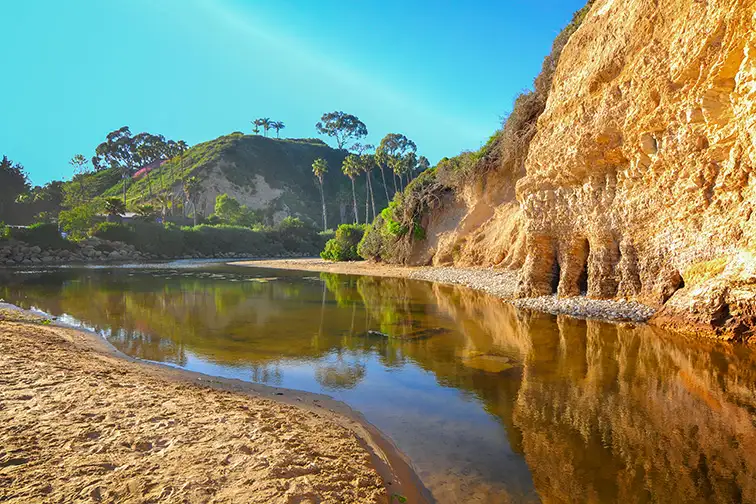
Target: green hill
{"type": "Point", "coordinates": [271, 175]}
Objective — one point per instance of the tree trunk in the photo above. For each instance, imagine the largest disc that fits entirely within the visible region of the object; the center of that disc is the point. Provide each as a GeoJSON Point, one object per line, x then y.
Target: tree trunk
{"type": "Point", "coordinates": [393, 177]}
{"type": "Point", "coordinates": [123, 179]}
{"type": "Point", "coordinates": [372, 195]}
{"type": "Point", "coordinates": [149, 183]}
{"type": "Point", "coordinates": [367, 197]}
{"type": "Point", "coordinates": [385, 187]}
{"type": "Point", "coordinates": [322, 200]}
{"type": "Point", "coordinates": [354, 200]}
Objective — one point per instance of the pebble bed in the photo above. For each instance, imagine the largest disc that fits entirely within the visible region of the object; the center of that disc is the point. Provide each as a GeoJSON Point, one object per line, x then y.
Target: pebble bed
{"type": "Point", "coordinates": [503, 284]}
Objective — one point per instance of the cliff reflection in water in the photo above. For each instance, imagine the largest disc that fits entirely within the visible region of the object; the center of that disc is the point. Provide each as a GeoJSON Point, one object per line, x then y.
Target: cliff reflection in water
{"type": "Point", "coordinates": [598, 412]}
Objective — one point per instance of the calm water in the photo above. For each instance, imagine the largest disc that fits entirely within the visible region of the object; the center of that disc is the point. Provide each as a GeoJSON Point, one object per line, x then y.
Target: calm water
{"type": "Point", "coordinates": [491, 404]}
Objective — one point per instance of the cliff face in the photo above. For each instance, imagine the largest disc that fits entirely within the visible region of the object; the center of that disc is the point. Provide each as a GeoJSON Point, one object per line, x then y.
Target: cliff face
{"type": "Point", "coordinates": [638, 182]}
{"type": "Point", "coordinates": [640, 172]}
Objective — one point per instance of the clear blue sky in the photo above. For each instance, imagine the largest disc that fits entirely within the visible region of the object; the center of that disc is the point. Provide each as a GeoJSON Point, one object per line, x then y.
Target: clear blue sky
{"type": "Point", "coordinates": [441, 72]}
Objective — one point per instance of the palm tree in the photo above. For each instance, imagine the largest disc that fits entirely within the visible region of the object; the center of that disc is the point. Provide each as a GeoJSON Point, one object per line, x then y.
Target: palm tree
{"type": "Point", "coordinates": [351, 168]}
{"type": "Point", "coordinates": [265, 122]}
{"type": "Point", "coordinates": [191, 191]}
{"type": "Point", "coordinates": [181, 148]}
{"type": "Point", "coordinates": [257, 123]}
{"type": "Point", "coordinates": [115, 208]}
{"type": "Point", "coordinates": [319, 168]}
{"type": "Point", "coordinates": [278, 126]}
{"type": "Point", "coordinates": [165, 202]}
{"type": "Point", "coordinates": [367, 163]}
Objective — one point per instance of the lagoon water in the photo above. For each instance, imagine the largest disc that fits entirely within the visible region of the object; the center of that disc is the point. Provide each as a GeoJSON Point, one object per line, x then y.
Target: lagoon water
{"type": "Point", "coordinates": [490, 404]}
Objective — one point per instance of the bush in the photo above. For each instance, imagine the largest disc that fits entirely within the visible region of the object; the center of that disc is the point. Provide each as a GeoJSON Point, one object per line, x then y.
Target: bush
{"type": "Point", "coordinates": [4, 231]}
{"type": "Point", "coordinates": [45, 236]}
{"type": "Point", "coordinates": [299, 237]}
{"type": "Point", "coordinates": [113, 231]}
{"type": "Point", "coordinates": [343, 246]}
{"type": "Point", "coordinates": [77, 221]}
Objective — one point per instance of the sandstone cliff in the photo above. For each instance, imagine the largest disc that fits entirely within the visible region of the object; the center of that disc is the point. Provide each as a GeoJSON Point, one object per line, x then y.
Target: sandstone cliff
{"type": "Point", "coordinates": [636, 180]}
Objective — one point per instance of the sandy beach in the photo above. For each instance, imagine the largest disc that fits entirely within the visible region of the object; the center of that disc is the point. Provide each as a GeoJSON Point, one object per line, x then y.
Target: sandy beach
{"type": "Point", "coordinates": [81, 423]}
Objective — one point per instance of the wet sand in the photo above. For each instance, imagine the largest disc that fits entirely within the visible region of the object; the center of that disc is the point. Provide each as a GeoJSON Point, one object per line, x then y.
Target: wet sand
{"type": "Point", "coordinates": [80, 422]}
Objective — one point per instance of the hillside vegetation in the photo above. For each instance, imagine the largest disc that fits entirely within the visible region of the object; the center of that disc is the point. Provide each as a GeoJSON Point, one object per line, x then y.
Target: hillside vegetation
{"type": "Point", "coordinates": [272, 176]}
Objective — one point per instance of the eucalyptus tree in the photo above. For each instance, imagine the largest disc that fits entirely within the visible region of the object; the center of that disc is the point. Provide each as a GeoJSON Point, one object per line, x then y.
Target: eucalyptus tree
{"type": "Point", "coordinates": [342, 127]}
{"type": "Point", "coordinates": [150, 149]}
{"type": "Point", "coordinates": [278, 126]}
{"type": "Point", "coordinates": [352, 168]}
{"type": "Point", "coordinates": [392, 152]}
{"type": "Point", "coordinates": [422, 164]}
{"type": "Point", "coordinates": [319, 169]}
{"type": "Point", "coordinates": [118, 151]}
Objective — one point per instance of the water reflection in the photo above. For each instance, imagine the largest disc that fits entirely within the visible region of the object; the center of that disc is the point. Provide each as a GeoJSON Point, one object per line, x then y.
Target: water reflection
{"type": "Point", "coordinates": [492, 404]}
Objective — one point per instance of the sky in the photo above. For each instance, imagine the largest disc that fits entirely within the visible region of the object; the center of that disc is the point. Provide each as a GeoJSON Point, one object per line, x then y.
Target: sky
{"type": "Point", "coordinates": [442, 72]}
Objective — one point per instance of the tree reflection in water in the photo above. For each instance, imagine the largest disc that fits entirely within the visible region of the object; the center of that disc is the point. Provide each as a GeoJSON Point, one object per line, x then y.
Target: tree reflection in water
{"type": "Point", "coordinates": [599, 412]}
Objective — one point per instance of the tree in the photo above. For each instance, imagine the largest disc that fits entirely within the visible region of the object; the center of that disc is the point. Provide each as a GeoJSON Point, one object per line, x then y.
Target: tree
{"type": "Point", "coordinates": [422, 164]}
{"type": "Point", "coordinates": [166, 203]}
{"type": "Point", "coordinates": [13, 182]}
{"type": "Point", "coordinates": [319, 168]}
{"type": "Point", "coordinates": [266, 124]}
{"type": "Point", "coordinates": [257, 123]}
{"type": "Point", "coordinates": [343, 127]}
{"type": "Point", "coordinates": [367, 163]}
{"type": "Point", "coordinates": [408, 167]}
{"type": "Point", "coordinates": [149, 149]}
{"type": "Point", "coordinates": [118, 151]}
{"type": "Point", "coordinates": [181, 147]}
{"type": "Point", "coordinates": [228, 209]}
{"type": "Point", "coordinates": [146, 212]}
{"type": "Point", "coordinates": [192, 190]}
{"type": "Point", "coordinates": [115, 208]}
{"type": "Point", "coordinates": [352, 168]}
{"type": "Point", "coordinates": [278, 126]}
{"type": "Point", "coordinates": [392, 152]}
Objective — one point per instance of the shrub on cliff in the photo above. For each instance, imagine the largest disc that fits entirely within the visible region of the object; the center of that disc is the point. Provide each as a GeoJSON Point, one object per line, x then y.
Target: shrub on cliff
{"type": "Point", "coordinates": [402, 223]}
{"type": "Point", "coordinates": [343, 246]}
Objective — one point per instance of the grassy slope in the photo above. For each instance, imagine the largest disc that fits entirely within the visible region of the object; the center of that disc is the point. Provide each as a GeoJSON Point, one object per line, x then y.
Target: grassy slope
{"type": "Point", "coordinates": [285, 164]}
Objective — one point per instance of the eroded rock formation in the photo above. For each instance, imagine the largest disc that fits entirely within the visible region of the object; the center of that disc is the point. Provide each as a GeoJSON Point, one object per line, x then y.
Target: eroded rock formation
{"type": "Point", "coordinates": [638, 182]}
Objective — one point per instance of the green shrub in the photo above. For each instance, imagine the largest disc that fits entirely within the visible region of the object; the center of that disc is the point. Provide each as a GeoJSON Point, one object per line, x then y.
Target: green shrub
{"type": "Point", "coordinates": [298, 237]}
{"type": "Point", "coordinates": [113, 231]}
{"type": "Point", "coordinates": [4, 231]}
{"type": "Point", "coordinates": [45, 236]}
{"type": "Point", "coordinates": [77, 221]}
{"type": "Point", "coordinates": [343, 246]}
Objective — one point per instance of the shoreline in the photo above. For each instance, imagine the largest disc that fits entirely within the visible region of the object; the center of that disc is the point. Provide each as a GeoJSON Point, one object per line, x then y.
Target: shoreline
{"type": "Point", "coordinates": [499, 283]}
{"type": "Point", "coordinates": [320, 421]}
